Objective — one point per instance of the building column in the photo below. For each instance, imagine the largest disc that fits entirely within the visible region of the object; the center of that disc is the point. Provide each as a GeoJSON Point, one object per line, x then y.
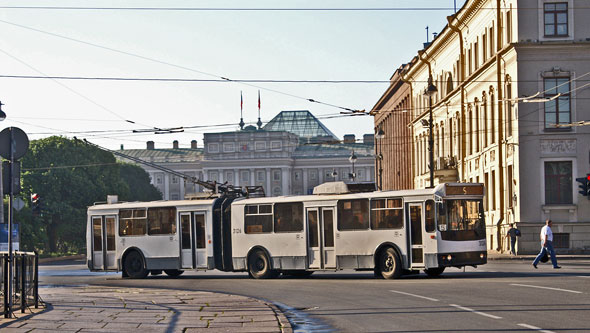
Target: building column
{"type": "Point", "coordinates": [268, 183]}
{"type": "Point", "coordinates": [304, 175]}
{"type": "Point", "coordinates": [166, 186]}
{"type": "Point", "coordinates": [286, 181]}
{"type": "Point", "coordinates": [237, 177]}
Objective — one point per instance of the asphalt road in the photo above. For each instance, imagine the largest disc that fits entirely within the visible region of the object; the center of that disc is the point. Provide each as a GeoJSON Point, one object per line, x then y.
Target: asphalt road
{"type": "Point", "coordinates": [504, 295]}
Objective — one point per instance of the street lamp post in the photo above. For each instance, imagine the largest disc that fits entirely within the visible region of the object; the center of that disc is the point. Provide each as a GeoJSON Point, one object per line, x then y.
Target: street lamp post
{"type": "Point", "coordinates": [379, 156]}
{"type": "Point", "coordinates": [352, 160]}
{"type": "Point", "coordinates": [430, 91]}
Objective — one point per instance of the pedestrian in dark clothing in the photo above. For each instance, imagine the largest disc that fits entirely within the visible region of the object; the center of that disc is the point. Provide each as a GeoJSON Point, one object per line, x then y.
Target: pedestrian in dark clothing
{"type": "Point", "coordinates": [546, 245]}
{"type": "Point", "coordinates": [512, 234]}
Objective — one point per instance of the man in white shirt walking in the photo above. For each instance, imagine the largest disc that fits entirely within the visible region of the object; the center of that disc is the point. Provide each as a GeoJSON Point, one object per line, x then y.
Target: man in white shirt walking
{"type": "Point", "coordinates": [546, 245]}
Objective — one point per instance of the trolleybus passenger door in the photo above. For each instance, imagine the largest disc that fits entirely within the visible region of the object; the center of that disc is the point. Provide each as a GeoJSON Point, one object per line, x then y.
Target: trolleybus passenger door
{"type": "Point", "coordinates": [187, 242]}
{"type": "Point", "coordinates": [429, 239]}
{"type": "Point", "coordinates": [415, 227]}
{"type": "Point", "coordinates": [103, 242]}
{"type": "Point", "coordinates": [192, 240]}
{"type": "Point", "coordinates": [320, 236]}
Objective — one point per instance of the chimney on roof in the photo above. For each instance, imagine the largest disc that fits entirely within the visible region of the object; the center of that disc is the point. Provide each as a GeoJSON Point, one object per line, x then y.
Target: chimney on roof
{"type": "Point", "coordinates": [349, 138]}
{"type": "Point", "coordinates": [194, 144]}
{"type": "Point", "coordinates": [369, 139]}
{"type": "Point", "coordinates": [175, 144]}
{"type": "Point", "coordinates": [150, 145]}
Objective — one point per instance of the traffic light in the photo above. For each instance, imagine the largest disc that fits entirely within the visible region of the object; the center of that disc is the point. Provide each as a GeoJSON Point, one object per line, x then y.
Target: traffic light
{"type": "Point", "coordinates": [584, 186]}
{"type": "Point", "coordinates": [36, 204]}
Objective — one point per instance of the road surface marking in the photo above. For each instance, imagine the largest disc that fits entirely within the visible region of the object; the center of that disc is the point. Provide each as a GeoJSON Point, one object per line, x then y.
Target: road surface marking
{"type": "Point", "coordinates": [414, 295]}
{"type": "Point", "coordinates": [475, 311]}
{"type": "Point", "coordinates": [535, 328]}
{"type": "Point", "coordinates": [540, 287]}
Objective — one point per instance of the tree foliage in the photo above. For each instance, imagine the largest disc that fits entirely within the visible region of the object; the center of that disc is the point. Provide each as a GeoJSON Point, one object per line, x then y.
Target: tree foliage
{"type": "Point", "coordinates": [69, 176]}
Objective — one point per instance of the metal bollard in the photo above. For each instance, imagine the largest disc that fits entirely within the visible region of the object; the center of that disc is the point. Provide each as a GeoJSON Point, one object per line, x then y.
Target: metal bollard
{"type": "Point", "coordinates": [36, 280]}
{"type": "Point", "coordinates": [23, 283]}
{"type": "Point", "coordinates": [6, 307]}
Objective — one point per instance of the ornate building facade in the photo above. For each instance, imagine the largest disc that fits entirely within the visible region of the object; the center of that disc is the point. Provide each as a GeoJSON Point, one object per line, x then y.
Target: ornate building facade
{"type": "Point", "coordinates": [289, 156]}
{"type": "Point", "coordinates": [506, 83]}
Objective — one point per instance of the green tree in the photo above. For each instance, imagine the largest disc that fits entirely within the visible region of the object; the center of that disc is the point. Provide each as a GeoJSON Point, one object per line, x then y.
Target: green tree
{"type": "Point", "coordinates": [69, 176]}
{"type": "Point", "coordinates": [138, 183]}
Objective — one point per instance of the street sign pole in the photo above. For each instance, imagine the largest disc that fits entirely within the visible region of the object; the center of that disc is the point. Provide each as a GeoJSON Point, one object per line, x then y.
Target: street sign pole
{"type": "Point", "coordinates": [10, 217]}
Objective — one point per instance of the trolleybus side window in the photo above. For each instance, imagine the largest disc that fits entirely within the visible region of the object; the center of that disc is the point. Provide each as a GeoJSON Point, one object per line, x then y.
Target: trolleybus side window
{"type": "Point", "coordinates": [258, 218]}
{"type": "Point", "coordinates": [353, 214]}
{"type": "Point", "coordinates": [387, 214]}
{"type": "Point", "coordinates": [162, 221]}
{"type": "Point", "coordinates": [429, 216]}
{"type": "Point", "coordinates": [132, 222]}
{"type": "Point", "coordinates": [288, 217]}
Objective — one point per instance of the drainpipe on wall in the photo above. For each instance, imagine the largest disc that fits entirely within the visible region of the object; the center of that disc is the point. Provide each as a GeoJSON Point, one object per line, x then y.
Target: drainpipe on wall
{"type": "Point", "coordinates": [500, 123]}
{"type": "Point", "coordinates": [461, 78]}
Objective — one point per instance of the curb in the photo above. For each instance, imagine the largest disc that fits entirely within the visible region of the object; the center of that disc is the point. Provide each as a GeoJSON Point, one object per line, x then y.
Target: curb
{"type": "Point", "coordinates": [52, 259]}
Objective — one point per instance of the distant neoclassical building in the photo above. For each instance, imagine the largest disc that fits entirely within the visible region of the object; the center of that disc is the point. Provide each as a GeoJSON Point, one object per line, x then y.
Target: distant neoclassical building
{"type": "Point", "coordinates": [288, 156]}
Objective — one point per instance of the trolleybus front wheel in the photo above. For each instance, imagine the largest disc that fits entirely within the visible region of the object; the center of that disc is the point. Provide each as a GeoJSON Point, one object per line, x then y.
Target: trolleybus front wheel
{"type": "Point", "coordinates": [434, 272]}
{"type": "Point", "coordinates": [134, 266]}
{"type": "Point", "coordinates": [259, 266]}
{"type": "Point", "coordinates": [389, 264]}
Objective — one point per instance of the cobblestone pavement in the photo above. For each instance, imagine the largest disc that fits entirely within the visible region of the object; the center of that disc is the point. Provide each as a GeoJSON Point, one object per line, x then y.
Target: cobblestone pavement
{"type": "Point", "coordinates": [109, 309]}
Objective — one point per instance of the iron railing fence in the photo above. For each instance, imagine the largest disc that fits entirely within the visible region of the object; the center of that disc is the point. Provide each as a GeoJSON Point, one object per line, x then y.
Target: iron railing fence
{"type": "Point", "coordinates": [25, 282]}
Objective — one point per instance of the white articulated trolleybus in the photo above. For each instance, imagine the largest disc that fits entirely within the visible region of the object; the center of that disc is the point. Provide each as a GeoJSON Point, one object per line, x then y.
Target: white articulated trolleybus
{"type": "Point", "coordinates": [389, 232]}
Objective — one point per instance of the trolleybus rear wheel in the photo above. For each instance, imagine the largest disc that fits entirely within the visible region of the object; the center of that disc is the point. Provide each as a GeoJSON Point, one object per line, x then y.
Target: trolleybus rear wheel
{"type": "Point", "coordinates": [134, 266]}
{"type": "Point", "coordinates": [173, 272]}
{"type": "Point", "coordinates": [434, 272]}
{"type": "Point", "coordinates": [259, 266]}
{"type": "Point", "coordinates": [389, 264]}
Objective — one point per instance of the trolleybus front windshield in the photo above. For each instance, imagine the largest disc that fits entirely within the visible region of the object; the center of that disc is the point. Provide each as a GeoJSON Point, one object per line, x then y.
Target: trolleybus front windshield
{"type": "Point", "coordinates": [461, 220]}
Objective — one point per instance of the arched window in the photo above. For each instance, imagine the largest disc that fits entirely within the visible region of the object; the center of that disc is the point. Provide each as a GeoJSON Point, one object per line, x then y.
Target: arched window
{"type": "Point", "coordinates": [449, 83]}
{"type": "Point", "coordinates": [508, 106]}
{"type": "Point", "coordinates": [476, 125]}
{"type": "Point", "coordinates": [484, 105]}
{"type": "Point", "coordinates": [492, 115]}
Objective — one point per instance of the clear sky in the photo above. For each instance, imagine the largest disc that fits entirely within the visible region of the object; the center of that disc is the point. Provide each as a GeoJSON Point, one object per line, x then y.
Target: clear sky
{"type": "Point", "coordinates": [199, 44]}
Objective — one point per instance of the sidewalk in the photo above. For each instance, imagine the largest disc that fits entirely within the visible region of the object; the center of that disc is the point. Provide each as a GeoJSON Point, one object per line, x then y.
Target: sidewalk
{"type": "Point", "coordinates": [110, 309]}
{"type": "Point", "coordinates": [531, 257]}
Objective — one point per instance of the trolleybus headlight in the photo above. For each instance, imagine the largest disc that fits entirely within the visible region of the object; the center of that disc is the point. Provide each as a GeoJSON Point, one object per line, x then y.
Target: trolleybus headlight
{"type": "Point", "coordinates": [481, 255]}
{"type": "Point", "coordinates": [449, 257]}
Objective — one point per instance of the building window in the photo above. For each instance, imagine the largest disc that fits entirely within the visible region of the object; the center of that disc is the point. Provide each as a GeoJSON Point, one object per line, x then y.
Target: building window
{"type": "Point", "coordinates": [260, 146]}
{"type": "Point", "coordinates": [313, 174]}
{"type": "Point", "coordinates": [174, 180]}
{"type": "Point", "coordinates": [558, 182]}
{"type": "Point", "coordinates": [557, 110]}
{"type": "Point", "coordinates": [276, 175]}
{"type": "Point", "coordinates": [245, 176]}
{"type": "Point", "coordinates": [213, 176]}
{"type": "Point", "coordinates": [556, 19]}
{"type": "Point", "coordinates": [229, 147]}
{"type": "Point", "coordinates": [213, 147]}
{"type": "Point", "coordinates": [244, 146]}
{"type": "Point", "coordinates": [159, 179]}
{"type": "Point", "coordinates": [360, 174]}
{"type": "Point", "coordinates": [297, 175]}
{"type": "Point", "coordinates": [229, 176]}
{"type": "Point", "coordinates": [260, 176]}
{"type": "Point", "coordinates": [275, 145]}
